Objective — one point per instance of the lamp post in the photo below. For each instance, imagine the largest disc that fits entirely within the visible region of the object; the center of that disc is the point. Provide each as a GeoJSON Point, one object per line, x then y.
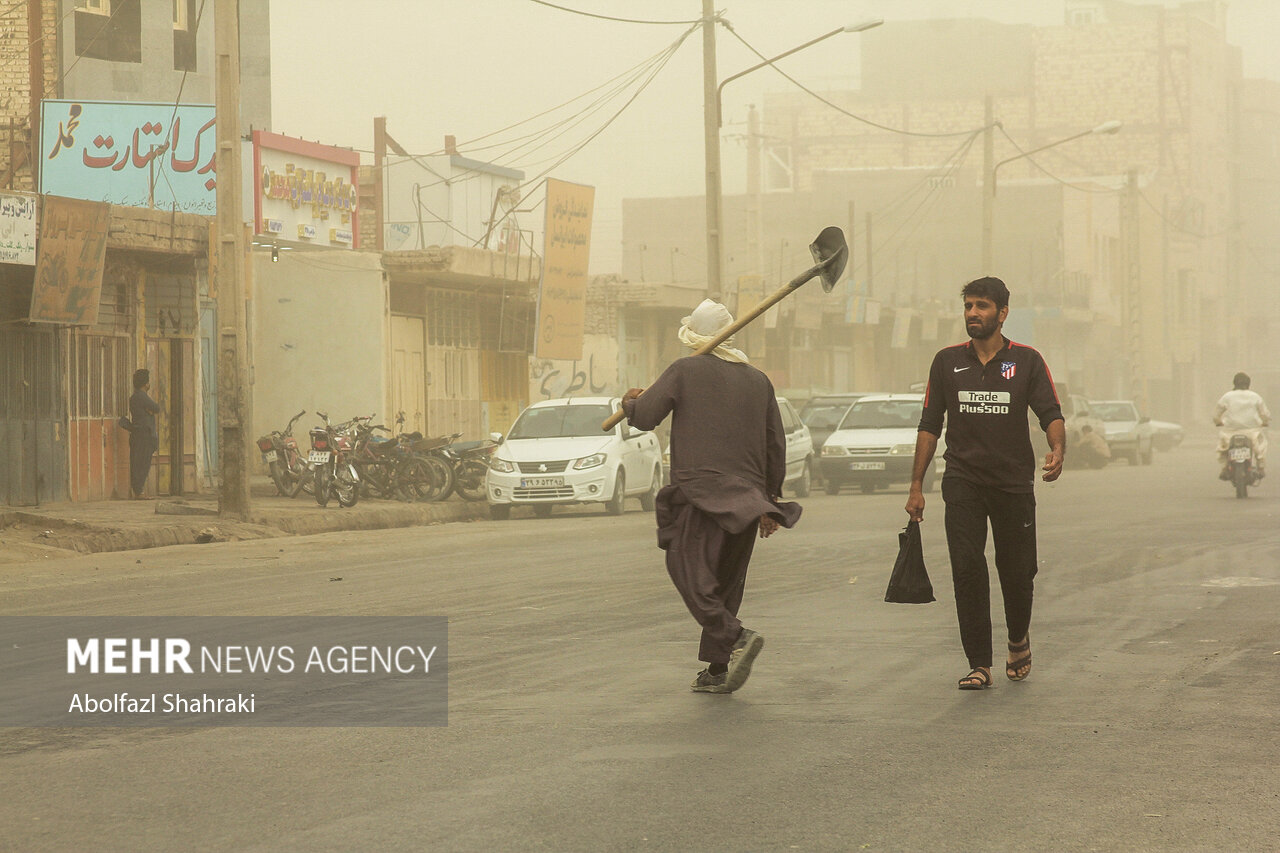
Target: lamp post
{"type": "Point", "coordinates": [711, 127]}
{"type": "Point", "coordinates": [989, 188]}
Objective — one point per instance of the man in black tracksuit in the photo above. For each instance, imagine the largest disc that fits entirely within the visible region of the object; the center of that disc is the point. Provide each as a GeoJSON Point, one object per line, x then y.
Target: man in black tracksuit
{"type": "Point", "coordinates": [984, 388]}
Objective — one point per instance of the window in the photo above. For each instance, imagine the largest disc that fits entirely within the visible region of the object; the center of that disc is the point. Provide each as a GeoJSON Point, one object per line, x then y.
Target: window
{"type": "Point", "coordinates": [109, 29]}
{"type": "Point", "coordinates": [184, 37]}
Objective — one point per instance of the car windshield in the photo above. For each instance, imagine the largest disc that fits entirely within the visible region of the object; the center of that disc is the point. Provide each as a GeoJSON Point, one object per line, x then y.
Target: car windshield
{"type": "Point", "coordinates": [824, 415]}
{"type": "Point", "coordinates": [882, 414]}
{"type": "Point", "coordinates": [1115, 411]}
{"type": "Point", "coordinates": [560, 421]}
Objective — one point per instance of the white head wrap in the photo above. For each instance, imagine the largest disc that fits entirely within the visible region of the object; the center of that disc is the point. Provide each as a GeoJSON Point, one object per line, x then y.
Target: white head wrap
{"type": "Point", "coordinates": [706, 321]}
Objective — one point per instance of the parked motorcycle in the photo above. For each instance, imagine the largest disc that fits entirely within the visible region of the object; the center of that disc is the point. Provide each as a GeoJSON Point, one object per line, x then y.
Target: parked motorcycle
{"type": "Point", "coordinates": [470, 461]}
{"type": "Point", "coordinates": [283, 458]}
{"type": "Point", "coordinates": [332, 471]}
{"type": "Point", "coordinates": [1242, 464]}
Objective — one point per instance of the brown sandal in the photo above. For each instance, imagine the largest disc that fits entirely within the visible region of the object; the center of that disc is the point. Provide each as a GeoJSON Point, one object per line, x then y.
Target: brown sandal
{"type": "Point", "coordinates": [1019, 664]}
{"type": "Point", "coordinates": [978, 679]}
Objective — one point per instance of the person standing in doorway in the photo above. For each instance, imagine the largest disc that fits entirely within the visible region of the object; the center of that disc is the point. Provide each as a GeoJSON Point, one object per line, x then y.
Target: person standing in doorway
{"type": "Point", "coordinates": [144, 438]}
{"type": "Point", "coordinates": [728, 461]}
{"type": "Point", "coordinates": [984, 388]}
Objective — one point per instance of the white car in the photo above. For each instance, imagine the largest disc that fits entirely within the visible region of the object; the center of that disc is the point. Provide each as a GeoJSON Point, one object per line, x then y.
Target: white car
{"type": "Point", "coordinates": [556, 453]}
{"type": "Point", "coordinates": [874, 445]}
{"type": "Point", "coordinates": [1129, 434]}
{"type": "Point", "coordinates": [799, 450]}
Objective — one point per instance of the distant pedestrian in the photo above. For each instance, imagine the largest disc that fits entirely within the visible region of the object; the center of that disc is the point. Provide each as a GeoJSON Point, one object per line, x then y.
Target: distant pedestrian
{"type": "Point", "coordinates": [984, 388]}
{"type": "Point", "coordinates": [144, 438]}
{"type": "Point", "coordinates": [728, 461]}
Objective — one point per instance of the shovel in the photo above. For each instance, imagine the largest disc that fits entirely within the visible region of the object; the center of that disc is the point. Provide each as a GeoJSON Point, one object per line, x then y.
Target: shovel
{"type": "Point", "coordinates": [830, 253]}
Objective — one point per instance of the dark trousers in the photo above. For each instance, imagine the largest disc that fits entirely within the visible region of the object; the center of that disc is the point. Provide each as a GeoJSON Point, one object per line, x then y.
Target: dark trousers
{"type": "Point", "coordinates": [1013, 527]}
{"type": "Point", "coordinates": [709, 568]}
{"type": "Point", "coordinates": [142, 446]}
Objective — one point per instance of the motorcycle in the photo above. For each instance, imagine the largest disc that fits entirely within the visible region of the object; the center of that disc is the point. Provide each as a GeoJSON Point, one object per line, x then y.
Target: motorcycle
{"type": "Point", "coordinates": [283, 458]}
{"type": "Point", "coordinates": [1242, 464]}
{"type": "Point", "coordinates": [332, 472]}
{"type": "Point", "coordinates": [470, 460]}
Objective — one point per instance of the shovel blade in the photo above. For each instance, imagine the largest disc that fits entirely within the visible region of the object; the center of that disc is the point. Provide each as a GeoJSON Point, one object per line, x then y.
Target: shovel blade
{"type": "Point", "coordinates": [832, 252]}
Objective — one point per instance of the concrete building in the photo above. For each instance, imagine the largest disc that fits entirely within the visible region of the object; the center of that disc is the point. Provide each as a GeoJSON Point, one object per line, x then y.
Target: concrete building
{"type": "Point", "coordinates": [1163, 274]}
{"type": "Point", "coordinates": [58, 437]}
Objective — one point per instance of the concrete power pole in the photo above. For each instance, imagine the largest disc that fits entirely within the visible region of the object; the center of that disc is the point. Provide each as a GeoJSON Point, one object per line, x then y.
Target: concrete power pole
{"type": "Point", "coordinates": [988, 182]}
{"type": "Point", "coordinates": [711, 142]}
{"type": "Point", "coordinates": [1131, 246]}
{"type": "Point", "coordinates": [233, 496]}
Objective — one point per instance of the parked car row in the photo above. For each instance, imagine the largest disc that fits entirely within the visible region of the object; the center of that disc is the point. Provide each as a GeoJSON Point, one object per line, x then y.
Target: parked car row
{"type": "Point", "coordinates": [556, 454]}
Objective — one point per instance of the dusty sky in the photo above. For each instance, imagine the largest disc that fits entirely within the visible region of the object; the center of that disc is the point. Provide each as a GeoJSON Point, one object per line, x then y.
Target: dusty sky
{"type": "Point", "coordinates": [472, 67]}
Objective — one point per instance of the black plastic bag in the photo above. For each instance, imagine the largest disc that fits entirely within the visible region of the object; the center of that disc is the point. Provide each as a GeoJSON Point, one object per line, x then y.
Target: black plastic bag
{"type": "Point", "coordinates": [125, 423]}
{"type": "Point", "coordinates": [909, 583]}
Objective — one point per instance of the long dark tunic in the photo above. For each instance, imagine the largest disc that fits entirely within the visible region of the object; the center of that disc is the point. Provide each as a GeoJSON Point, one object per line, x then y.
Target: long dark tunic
{"type": "Point", "coordinates": [728, 448]}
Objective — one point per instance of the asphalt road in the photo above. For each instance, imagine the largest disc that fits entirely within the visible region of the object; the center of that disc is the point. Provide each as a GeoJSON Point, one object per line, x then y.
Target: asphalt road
{"type": "Point", "coordinates": [1149, 721]}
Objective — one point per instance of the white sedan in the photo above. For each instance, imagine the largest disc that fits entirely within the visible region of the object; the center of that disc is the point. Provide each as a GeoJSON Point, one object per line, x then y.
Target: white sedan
{"type": "Point", "coordinates": [556, 453]}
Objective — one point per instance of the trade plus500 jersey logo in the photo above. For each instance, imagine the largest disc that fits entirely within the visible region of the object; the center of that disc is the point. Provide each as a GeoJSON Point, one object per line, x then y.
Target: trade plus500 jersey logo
{"type": "Point", "coordinates": [984, 402]}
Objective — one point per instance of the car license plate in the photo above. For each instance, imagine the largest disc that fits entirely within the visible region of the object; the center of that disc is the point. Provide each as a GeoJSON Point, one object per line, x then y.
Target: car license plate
{"type": "Point", "coordinates": [866, 466]}
{"type": "Point", "coordinates": [1239, 454]}
{"type": "Point", "coordinates": [270, 456]}
{"type": "Point", "coordinates": [541, 482]}
{"type": "Point", "coordinates": [318, 457]}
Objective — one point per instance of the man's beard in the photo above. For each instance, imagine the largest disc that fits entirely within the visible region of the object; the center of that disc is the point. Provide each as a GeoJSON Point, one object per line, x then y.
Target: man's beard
{"type": "Point", "coordinates": [982, 330]}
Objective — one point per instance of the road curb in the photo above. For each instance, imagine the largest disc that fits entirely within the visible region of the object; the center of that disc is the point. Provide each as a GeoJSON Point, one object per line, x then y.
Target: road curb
{"type": "Point", "coordinates": [183, 523]}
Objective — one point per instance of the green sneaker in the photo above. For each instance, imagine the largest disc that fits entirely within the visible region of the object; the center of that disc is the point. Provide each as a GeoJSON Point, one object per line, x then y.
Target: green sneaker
{"type": "Point", "coordinates": [740, 659]}
{"type": "Point", "coordinates": [708, 683]}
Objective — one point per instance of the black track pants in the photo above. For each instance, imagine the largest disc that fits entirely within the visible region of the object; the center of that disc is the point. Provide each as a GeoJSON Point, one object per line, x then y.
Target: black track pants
{"type": "Point", "coordinates": [1013, 527]}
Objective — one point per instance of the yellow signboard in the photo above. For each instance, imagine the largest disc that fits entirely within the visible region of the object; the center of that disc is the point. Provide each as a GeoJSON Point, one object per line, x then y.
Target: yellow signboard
{"type": "Point", "coordinates": [70, 252]}
{"type": "Point", "coordinates": [562, 300]}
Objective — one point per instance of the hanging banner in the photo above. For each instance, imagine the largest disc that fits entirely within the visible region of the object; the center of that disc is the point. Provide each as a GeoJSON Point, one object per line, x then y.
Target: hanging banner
{"type": "Point", "coordinates": [72, 248]}
{"type": "Point", "coordinates": [18, 228]}
{"type": "Point", "coordinates": [562, 298]}
{"type": "Point", "coordinates": [901, 328]}
{"type": "Point", "coordinates": [132, 154]}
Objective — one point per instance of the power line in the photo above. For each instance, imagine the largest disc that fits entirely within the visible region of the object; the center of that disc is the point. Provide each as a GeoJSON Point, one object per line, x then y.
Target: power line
{"type": "Point", "coordinates": [837, 107]}
{"type": "Point", "coordinates": [609, 17]}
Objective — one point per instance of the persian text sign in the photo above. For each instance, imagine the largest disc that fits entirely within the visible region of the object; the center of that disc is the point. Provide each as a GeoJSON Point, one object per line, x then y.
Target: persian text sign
{"type": "Point", "coordinates": [17, 228]}
{"type": "Point", "coordinates": [562, 301]}
{"type": "Point", "coordinates": [306, 191]}
{"type": "Point", "coordinates": [72, 248]}
{"type": "Point", "coordinates": [133, 154]}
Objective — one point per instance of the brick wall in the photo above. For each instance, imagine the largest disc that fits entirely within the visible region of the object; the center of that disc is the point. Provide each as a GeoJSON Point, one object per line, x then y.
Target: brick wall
{"type": "Point", "coordinates": [15, 86]}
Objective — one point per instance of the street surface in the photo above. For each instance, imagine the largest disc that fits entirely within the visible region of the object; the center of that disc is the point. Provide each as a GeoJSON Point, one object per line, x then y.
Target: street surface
{"type": "Point", "coordinates": [1149, 721]}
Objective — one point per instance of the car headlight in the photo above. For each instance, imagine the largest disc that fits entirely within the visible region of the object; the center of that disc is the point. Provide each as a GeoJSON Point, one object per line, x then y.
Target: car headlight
{"type": "Point", "coordinates": [593, 461]}
{"type": "Point", "coordinates": [902, 449]}
{"type": "Point", "coordinates": [833, 450]}
{"type": "Point", "coordinates": [502, 466]}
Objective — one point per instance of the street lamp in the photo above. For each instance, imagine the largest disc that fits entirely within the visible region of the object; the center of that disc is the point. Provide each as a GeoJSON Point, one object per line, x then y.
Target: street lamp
{"type": "Point", "coordinates": [711, 126]}
{"type": "Point", "coordinates": [989, 190]}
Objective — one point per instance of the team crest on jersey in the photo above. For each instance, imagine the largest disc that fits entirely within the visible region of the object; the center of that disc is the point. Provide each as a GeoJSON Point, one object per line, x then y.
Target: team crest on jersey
{"type": "Point", "coordinates": [1008, 368]}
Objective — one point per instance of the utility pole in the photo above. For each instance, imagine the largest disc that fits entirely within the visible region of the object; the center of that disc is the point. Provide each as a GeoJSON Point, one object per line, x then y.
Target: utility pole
{"type": "Point", "coordinates": [35, 74]}
{"type": "Point", "coordinates": [988, 181]}
{"type": "Point", "coordinates": [233, 496]}
{"type": "Point", "coordinates": [1133, 329]}
{"type": "Point", "coordinates": [711, 143]}
{"type": "Point", "coordinates": [379, 161]}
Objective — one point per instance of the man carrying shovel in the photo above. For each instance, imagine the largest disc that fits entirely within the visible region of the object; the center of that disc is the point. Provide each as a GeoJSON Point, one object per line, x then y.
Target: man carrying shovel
{"type": "Point", "coordinates": [728, 461]}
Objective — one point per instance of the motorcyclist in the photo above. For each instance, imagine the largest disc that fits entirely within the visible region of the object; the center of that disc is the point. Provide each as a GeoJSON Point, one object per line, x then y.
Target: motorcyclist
{"type": "Point", "coordinates": [1242, 411]}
